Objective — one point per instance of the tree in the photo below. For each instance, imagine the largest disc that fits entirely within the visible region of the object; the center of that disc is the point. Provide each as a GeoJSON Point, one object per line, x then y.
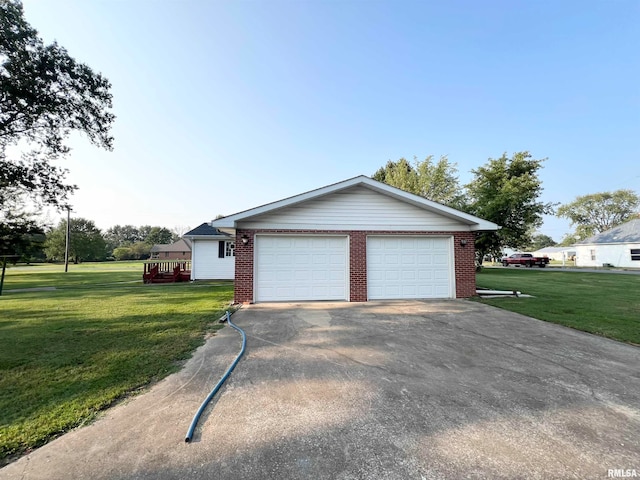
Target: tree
{"type": "Point", "coordinates": [436, 181]}
{"type": "Point", "coordinates": [136, 251]}
{"type": "Point", "coordinates": [178, 231]}
{"type": "Point", "coordinates": [20, 235]}
{"type": "Point", "coordinates": [20, 232]}
{"type": "Point", "coordinates": [598, 212]}
{"type": "Point", "coordinates": [85, 242]}
{"type": "Point", "coordinates": [122, 236]}
{"type": "Point", "coordinates": [506, 191]}
{"type": "Point", "coordinates": [123, 253]}
{"type": "Point", "coordinates": [568, 240]}
{"type": "Point", "coordinates": [44, 96]}
{"type": "Point", "coordinates": [539, 241]}
{"type": "Point", "coordinates": [158, 236]}
{"type": "Point", "coordinates": [141, 250]}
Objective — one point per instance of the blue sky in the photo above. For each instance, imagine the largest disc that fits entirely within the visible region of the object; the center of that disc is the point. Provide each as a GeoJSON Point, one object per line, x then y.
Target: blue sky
{"type": "Point", "coordinates": [222, 106]}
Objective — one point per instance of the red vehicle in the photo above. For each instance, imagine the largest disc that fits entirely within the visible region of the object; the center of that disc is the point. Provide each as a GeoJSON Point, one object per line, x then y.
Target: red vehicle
{"type": "Point", "coordinates": [526, 259]}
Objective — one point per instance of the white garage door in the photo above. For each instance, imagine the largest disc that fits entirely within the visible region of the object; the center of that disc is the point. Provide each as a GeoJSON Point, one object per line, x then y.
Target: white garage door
{"type": "Point", "coordinates": [409, 267]}
{"type": "Point", "coordinates": [300, 268]}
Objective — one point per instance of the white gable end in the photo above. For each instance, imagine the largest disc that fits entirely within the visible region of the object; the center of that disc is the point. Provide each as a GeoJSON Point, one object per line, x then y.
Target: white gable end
{"type": "Point", "coordinates": [357, 208]}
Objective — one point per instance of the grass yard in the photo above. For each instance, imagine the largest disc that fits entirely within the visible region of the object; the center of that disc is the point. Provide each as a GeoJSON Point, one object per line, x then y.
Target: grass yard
{"type": "Point", "coordinates": [600, 303]}
{"type": "Point", "coordinates": [100, 335]}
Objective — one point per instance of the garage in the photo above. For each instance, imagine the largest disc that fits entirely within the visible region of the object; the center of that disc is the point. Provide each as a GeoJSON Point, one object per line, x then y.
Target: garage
{"type": "Point", "coordinates": [404, 267]}
{"type": "Point", "coordinates": [300, 268]}
{"type": "Point", "coordinates": [354, 240]}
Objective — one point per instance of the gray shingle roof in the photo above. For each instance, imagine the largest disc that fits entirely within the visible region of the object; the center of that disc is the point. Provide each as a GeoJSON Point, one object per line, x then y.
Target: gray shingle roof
{"type": "Point", "coordinates": [205, 230]}
{"type": "Point", "coordinates": [181, 245]}
{"type": "Point", "coordinates": [626, 233]}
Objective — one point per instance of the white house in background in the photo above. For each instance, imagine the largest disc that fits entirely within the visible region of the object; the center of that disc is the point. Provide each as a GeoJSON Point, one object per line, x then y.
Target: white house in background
{"type": "Point", "coordinates": [619, 247]}
{"type": "Point", "coordinates": [556, 253]}
{"type": "Point", "coordinates": [212, 253]}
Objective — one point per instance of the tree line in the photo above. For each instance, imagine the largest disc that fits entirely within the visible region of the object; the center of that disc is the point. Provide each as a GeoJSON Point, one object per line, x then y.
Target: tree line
{"type": "Point", "coordinates": [89, 243]}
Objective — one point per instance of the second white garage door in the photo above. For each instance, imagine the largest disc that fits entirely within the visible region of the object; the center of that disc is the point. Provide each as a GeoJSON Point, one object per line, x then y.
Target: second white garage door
{"type": "Point", "coordinates": [300, 268]}
{"type": "Point", "coordinates": [409, 267]}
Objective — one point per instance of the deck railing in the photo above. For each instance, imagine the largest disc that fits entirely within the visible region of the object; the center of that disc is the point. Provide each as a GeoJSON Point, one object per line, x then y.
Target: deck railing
{"type": "Point", "coordinates": [155, 270]}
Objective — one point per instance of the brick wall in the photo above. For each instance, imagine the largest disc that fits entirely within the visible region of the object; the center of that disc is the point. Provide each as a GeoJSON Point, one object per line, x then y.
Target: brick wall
{"type": "Point", "coordinates": [243, 284]}
{"type": "Point", "coordinates": [465, 266]}
{"type": "Point", "coordinates": [464, 260]}
{"type": "Point", "coordinates": [358, 266]}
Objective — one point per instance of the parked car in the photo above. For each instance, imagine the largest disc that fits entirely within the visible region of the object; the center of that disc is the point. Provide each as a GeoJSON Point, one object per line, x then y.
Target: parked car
{"type": "Point", "coordinates": [526, 259]}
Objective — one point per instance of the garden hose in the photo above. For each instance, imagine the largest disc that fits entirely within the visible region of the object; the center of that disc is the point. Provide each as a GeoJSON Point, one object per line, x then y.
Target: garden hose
{"type": "Point", "coordinates": [196, 417]}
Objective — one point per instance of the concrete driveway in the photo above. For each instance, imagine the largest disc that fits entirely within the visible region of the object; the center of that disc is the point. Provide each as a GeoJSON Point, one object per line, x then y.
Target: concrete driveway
{"type": "Point", "coordinates": [382, 390]}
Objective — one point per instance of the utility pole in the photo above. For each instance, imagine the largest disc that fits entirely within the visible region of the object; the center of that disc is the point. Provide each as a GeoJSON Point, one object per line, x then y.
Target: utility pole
{"type": "Point", "coordinates": [66, 248]}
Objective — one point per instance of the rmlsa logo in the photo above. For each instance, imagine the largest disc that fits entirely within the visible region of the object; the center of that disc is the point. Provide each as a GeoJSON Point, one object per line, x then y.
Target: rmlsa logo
{"type": "Point", "coordinates": [622, 473]}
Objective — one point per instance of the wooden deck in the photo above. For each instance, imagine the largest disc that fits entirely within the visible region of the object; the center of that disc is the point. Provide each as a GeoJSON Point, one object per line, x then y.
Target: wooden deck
{"type": "Point", "coordinates": [166, 271]}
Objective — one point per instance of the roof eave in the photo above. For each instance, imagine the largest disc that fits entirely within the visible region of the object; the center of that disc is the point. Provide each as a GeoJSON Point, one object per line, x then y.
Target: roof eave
{"type": "Point", "coordinates": [474, 223]}
{"type": "Point", "coordinates": [208, 237]}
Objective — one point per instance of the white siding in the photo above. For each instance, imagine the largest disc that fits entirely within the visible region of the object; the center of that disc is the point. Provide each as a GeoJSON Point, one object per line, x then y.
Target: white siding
{"type": "Point", "coordinates": [358, 208]}
{"type": "Point", "coordinates": [205, 264]}
{"type": "Point", "coordinates": [618, 255]}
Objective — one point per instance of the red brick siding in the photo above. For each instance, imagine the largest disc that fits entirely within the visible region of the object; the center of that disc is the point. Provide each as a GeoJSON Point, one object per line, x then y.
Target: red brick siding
{"type": "Point", "coordinates": [357, 266]}
{"type": "Point", "coordinates": [465, 266]}
{"type": "Point", "coordinates": [464, 260]}
{"type": "Point", "coordinates": [243, 284]}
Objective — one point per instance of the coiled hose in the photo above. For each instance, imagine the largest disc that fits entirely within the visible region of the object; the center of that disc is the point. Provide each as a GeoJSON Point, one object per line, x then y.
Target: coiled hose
{"type": "Point", "coordinates": [196, 417]}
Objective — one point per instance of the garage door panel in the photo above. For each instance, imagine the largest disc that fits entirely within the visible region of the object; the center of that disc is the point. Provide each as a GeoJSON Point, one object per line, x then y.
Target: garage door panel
{"type": "Point", "coordinates": [440, 275]}
{"type": "Point", "coordinates": [392, 275]}
{"type": "Point", "coordinates": [337, 276]}
{"type": "Point", "coordinates": [409, 275]}
{"type": "Point", "coordinates": [319, 259]}
{"type": "Point", "coordinates": [424, 259]}
{"type": "Point", "coordinates": [284, 258]}
{"type": "Point", "coordinates": [337, 260]}
{"type": "Point", "coordinates": [408, 259]}
{"type": "Point", "coordinates": [441, 259]}
{"type": "Point", "coordinates": [305, 268]}
{"type": "Point", "coordinates": [409, 267]}
{"type": "Point", "coordinates": [425, 275]}
{"type": "Point", "coordinates": [392, 259]}
{"type": "Point", "coordinates": [302, 275]}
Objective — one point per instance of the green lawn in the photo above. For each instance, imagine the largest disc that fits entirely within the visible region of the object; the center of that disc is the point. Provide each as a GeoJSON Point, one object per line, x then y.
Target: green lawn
{"type": "Point", "coordinates": [605, 304]}
{"type": "Point", "coordinates": [101, 335]}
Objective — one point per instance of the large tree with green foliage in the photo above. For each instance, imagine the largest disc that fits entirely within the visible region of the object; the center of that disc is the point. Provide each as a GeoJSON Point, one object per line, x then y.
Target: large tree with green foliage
{"type": "Point", "coordinates": [159, 236]}
{"type": "Point", "coordinates": [539, 241]}
{"type": "Point", "coordinates": [135, 251]}
{"type": "Point", "coordinates": [598, 212]}
{"type": "Point", "coordinates": [506, 191]}
{"type": "Point", "coordinates": [20, 235]}
{"type": "Point", "coordinates": [45, 95]}
{"type": "Point", "coordinates": [434, 180]}
{"type": "Point", "coordinates": [122, 236]}
{"type": "Point", "coordinates": [85, 241]}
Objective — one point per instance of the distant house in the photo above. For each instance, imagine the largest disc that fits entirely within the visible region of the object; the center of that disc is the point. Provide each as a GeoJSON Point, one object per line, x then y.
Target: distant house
{"type": "Point", "coordinates": [556, 253]}
{"type": "Point", "coordinates": [180, 250]}
{"type": "Point", "coordinates": [213, 253]}
{"type": "Point", "coordinates": [619, 247]}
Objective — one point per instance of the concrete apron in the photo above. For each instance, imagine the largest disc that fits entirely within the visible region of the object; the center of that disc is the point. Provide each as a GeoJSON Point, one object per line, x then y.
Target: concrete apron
{"type": "Point", "coordinates": [440, 389]}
